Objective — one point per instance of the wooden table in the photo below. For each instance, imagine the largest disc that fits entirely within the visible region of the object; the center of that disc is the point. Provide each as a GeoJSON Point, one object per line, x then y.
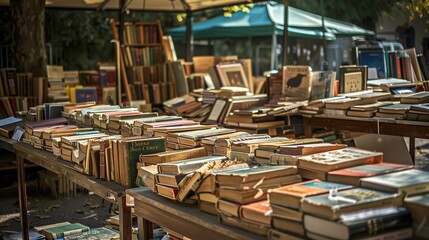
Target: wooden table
{"type": "Point", "coordinates": [183, 218]}
{"type": "Point", "coordinates": [386, 126]}
{"type": "Point", "coordinates": [110, 191]}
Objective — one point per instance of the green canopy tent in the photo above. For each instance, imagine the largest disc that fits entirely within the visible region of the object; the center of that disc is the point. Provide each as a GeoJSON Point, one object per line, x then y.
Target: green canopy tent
{"type": "Point", "coordinates": [267, 19]}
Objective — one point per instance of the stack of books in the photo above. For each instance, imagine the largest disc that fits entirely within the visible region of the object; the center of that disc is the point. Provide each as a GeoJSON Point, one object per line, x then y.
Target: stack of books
{"type": "Point", "coordinates": [244, 150]}
{"type": "Point", "coordinates": [419, 112]}
{"type": "Point", "coordinates": [286, 201]}
{"type": "Point", "coordinates": [34, 130]}
{"type": "Point", "coordinates": [350, 214]}
{"type": "Point", "coordinates": [289, 154]}
{"type": "Point", "coordinates": [396, 111]}
{"type": "Point", "coordinates": [240, 189]}
{"type": "Point", "coordinates": [317, 166]}
{"type": "Point", "coordinates": [173, 178]}
{"type": "Point", "coordinates": [222, 146]}
{"type": "Point", "coordinates": [137, 125]}
{"type": "Point", "coordinates": [264, 151]}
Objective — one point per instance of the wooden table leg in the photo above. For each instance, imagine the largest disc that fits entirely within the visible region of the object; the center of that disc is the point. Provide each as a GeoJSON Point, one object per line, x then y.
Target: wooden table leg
{"type": "Point", "coordinates": [147, 229]}
{"type": "Point", "coordinates": [22, 190]}
{"type": "Point", "coordinates": [124, 219]}
{"type": "Point", "coordinates": [308, 129]}
{"type": "Point", "coordinates": [413, 149]}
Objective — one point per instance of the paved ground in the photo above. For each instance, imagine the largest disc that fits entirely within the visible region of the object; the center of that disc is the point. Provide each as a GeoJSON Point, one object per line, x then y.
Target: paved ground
{"type": "Point", "coordinates": [85, 208]}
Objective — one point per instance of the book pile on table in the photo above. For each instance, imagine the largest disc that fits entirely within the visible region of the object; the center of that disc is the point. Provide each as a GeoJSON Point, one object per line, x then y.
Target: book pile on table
{"type": "Point", "coordinates": [242, 195]}
{"type": "Point", "coordinates": [222, 146]}
{"type": "Point", "coordinates": [178, 180]}
{"type": "Point", "coordinates": [244, 150]}
{"type": "Point", "coordinates": [188, 106]}
{"type": "Point", "coordinates": [263, 151]}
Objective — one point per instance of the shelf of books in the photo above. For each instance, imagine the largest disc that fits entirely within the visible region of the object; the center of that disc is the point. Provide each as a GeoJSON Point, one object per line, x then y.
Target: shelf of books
{"type": "Point", "coordinates": [144, 68]}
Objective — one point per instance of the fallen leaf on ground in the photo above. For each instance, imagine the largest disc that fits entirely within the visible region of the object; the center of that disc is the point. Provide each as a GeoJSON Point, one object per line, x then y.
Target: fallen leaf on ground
{"type": "Point", "coordinates": [53, 206]}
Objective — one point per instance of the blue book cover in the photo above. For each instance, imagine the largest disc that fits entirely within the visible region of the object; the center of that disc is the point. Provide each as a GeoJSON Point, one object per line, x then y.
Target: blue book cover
{"type": "Point", "coordinates": [9, 120]}
{"type": "Point", "coordinates": [373, 58]}
{"type": "Point", "coordinates": [86, 95]}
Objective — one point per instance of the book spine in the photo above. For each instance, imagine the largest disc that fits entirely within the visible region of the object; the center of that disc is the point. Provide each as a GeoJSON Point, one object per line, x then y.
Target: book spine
{"type": "Point", "coordinates": [379, 225]}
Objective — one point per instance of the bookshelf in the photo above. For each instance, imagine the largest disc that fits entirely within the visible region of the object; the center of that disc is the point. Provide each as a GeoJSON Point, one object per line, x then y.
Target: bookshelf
{"type": "Point", "coordinates": [144, 68]}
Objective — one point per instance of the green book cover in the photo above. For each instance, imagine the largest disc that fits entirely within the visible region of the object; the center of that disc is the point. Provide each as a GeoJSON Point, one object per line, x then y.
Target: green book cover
{"type": "Point", "coordinates": [411, 181]}
{"type": "Point", "coordinates": [100, 233]}
{"type": "Point", "coordinates": [132, 150]}
{"type": "Point", "coordinates": [66, 230]}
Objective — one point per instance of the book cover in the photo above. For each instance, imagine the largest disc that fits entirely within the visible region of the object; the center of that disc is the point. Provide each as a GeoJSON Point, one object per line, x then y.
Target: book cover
{"type": "Point", "coordinates": [32, 235]}
{"type": "Point", "coordinates": [375, 60]}
{"type": "Point", "coordinates": [395, 108]}
{"type": "Point", "coordinates": [255, 174]}
{"type": "Point", "coordinates": [188, 165]}
{"type": "Point", "coordinates": [353, 175]}
{"type": "Point", "coordinates": [131, 150]}
{"type": "Point", "coordinates": [337, 159]}
{"type": "Point", "coordinates": [408, 182]}
{"type": "Point", "coordinates": [86, 94]}
{"type": "Point", "coordinates": [63, 231]}
{"type": "Point", "coordinates": [291, 195]}
{"type": "Point", "coordinates": [9, 120]}
{"type": "Point", "coordinates": [173, 155]}
{"type": "Point", "coordinates": [199, 134]}
{"type": "Point", "coordinates": [296, 81]}
{"type": "Point", "coordinates": [100, 233]}
{"type": "Point", "coordinates": [310, 148]}
{"type": "Point", "coordinates": [360, 224]}
{"type": "Point", "coordinates": [322, 84]}
{"type": "Point", "coordinates": [332, 205]}
{"type": "Point", "coordinates": [352, 78]}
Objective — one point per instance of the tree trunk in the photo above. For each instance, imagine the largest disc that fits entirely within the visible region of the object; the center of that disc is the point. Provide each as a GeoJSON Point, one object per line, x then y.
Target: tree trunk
{"type": "Point", "coordinates": [28, 36]}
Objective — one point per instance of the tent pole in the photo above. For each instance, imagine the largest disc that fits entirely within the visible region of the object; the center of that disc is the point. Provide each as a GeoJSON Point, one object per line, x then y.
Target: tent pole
{"type": "Point", "coordinates": [285, 32]}
{"type": "Point", "coordinates": [189, 36]}
{"type": "Point", "coordinates": [273, 50]}
{"type": "Point", "coordinates": [322, 13]}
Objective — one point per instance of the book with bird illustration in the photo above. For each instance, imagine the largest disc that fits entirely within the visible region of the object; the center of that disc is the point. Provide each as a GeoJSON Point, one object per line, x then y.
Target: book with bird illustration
{"type": "Point", "coordinates": [296, 81]}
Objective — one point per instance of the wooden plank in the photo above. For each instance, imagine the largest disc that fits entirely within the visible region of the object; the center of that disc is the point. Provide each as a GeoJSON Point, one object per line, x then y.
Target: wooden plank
{"type": "Point", "coordinates": [185, 219]}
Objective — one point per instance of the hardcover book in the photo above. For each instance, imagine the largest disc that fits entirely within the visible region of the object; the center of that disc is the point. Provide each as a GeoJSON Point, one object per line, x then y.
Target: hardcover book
{"type": "Point", "coordinates": [353, 175]}
{"type": "Point", "coordinates": [332, 205]}
{"type": "Point", "coordinates": [296, 81]}
{"type": "Point", "coordinates": [291, 195]}
{"type": "Point", "coordinates": [204, 171]}
{"type": "Point", "coordinates": [337, 159]}
{"type": "Point", "coordinates": [188, 165]}
{"type": "Point", "coordinates": [322, 84]}
{"type": "Point", "coordinates": [408, 182]}
{"type": "Point", "coordinates": [63, 231]}
{"type": "Point", "coordinates": [101, 233]}
{"type": "Point", "coordinates": [254, 174]}
{"type": "Point", "coordinates": [360, 224]}
{"type": "Point", "coordinates": [257, 212]}
{"type": "Point", "coordinates": [130, 150]}
{"type": "Point", "coordinates": [305, 149]}
{"type": "Point", "coordinates": [173, 155]}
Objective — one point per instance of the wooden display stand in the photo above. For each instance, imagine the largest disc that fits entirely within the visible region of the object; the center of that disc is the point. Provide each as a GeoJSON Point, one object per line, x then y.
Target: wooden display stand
{"type": "Point", "coordinates": [143, 62]}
